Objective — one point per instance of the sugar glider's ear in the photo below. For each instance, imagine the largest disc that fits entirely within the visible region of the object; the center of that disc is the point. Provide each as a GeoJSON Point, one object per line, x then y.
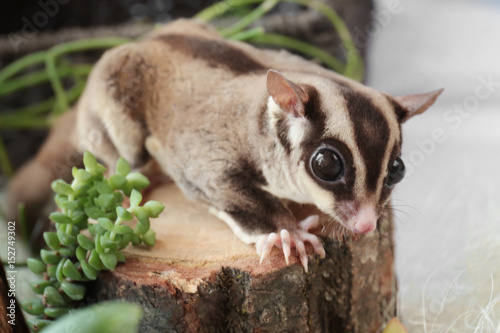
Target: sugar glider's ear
{"type": "Point", "coordinates": [289, 96]}
{"type": "Point", "coordinates": [415, 104]}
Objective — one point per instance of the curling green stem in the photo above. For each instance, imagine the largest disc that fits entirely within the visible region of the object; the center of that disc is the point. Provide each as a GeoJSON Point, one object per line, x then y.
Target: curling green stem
{"type": "Point", "coordinates": [5, 164]}
{"type": "Point", "coordinates": [49, 57]}
{"type": "Point", "coordinates": [297, 45]}
{"type": "Point", "coordinates": [87, 44]}
{"type": "Point", "coordinates": [24, 118]}
{"type": "Point", "coordinates": [61, 100]}
{"type": "Point", "coordinates": [33, 109]}
{"type": "Point", "coordinates": [19, 65]}
{"type": "Point", "coordinates": [257, 13]}
{"type": "Point", "coordinates": [41, 76]}
{"type": "Point", "coordinates": [332, 16]}
{"type": "Point", "coordinates": [40, 122]}
{"type": "Point", "coordinates": [220, 8]}
{"type": "Point", "coordinates": [354, 67]}
{"type": "Point", "coordinates": [248, 34]}
{"type": "Point", "coordinates": [79, 45]}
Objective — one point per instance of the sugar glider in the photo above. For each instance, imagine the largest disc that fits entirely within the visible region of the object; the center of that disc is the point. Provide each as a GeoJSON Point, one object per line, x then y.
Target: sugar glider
{"type": "Point", "coordinates": [241, 130]}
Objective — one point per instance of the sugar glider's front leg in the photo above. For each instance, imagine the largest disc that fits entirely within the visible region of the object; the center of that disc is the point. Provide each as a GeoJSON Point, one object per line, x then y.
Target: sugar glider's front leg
{"type": "Point", "coordinates": [295, 235]}
{"type": "Point", "coordinates": [256, 216]}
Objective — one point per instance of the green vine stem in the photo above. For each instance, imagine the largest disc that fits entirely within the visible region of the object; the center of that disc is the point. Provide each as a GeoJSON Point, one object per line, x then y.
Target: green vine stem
{"type": "Point", "coordinates": [61, 101]}
{"type": "Point", "coordinates": [248, 34]}
{"type": "Point", "coordinates": [53, 72]}
{"type": "Point", "coordinates": [257, 13]}
{"type": "Point", "coordinates": [297, 45]}
{"type": "Point", "coordinates": [33, 109]}
{"type": "Point", "coordinates": [50, 56]}
{"type": "Point", "coordinates": [354, 67]}
{"type": "Point", "coordinates": [73, 93]}
{"type": "Point", "coordinates": [23, 63]}
{"type": "Point", "coordinates": [220, 8]}
{"type": "Point", "coordinates": [41, 76]}
{"type": "Point", "coordinates": [75, 46]}
{"type": "Point", "coordinates": [61, 49]}
{"type": "Point", "coordinates": [24, 118]}
{"type": "Point", "coordinates": [11, 122]}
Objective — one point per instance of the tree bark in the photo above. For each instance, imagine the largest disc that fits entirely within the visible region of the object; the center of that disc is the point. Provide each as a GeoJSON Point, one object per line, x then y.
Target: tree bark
{"type": "Point", "coordinates": [200, 278]}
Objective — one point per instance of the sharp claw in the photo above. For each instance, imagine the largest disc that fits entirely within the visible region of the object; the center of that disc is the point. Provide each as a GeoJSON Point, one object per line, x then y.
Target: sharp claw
{"type": "Point", "coordinates": [285, 242]}
{"type": "Point", "coordinates": [315, 242]}
{"type": "Point", "coordinates": [322, 253]}
{"type": "Point", "coordinates": [309, 223]}
{"type": "Point", "coordinates": [260, 244]}
{"type": "Point", "coordinates": [286, 239]}
{"type": "Point", "coordinates": [302, 253]}
{"type": "Point", "coordinates": [268, 245]}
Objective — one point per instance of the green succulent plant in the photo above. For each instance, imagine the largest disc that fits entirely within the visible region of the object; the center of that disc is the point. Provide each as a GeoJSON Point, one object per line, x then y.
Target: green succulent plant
{"type": "Point", "coordinates": [95, 203]}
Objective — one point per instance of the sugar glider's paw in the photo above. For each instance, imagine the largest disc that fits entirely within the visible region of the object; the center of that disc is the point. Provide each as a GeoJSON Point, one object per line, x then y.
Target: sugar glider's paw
{"type": "Point", "coordinates": [287, 239]}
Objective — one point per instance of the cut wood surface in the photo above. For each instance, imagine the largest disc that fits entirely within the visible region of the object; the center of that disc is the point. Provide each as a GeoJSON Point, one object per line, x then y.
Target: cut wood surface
{"type": "Point", "coordinates": [199, 277]}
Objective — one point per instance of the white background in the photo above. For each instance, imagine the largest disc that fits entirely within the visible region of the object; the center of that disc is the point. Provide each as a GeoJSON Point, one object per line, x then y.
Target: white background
{"type": "Point", "coordinates": [448, 218]}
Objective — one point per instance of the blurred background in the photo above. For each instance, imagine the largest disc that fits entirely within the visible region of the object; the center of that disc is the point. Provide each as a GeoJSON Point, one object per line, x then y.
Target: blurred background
{"type": "Point", "coordinates": [447, 208]}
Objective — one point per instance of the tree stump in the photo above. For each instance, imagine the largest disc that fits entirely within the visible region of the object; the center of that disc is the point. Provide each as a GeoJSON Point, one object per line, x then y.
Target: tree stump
{"type": "Point", "coordinates": [200, 278]}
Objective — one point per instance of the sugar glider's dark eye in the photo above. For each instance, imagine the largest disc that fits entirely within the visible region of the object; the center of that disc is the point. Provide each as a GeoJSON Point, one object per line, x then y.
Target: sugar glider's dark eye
{"type": "Point", "coordinates": [396, 172]}
{"type": "Point", "coordinates": [327, 165]}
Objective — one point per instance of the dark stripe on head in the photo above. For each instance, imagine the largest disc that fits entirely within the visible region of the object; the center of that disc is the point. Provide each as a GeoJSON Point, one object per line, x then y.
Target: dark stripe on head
{"type": "Point", "coordinates": [263, 124]}
{"type": "Point", "coordinates": [315, 115]}
{"type": "Point", "coordinates": [400, 111]}
{"type": "Point", "coordinates": [396, 151]}
{"type": "Point", "coordinates": [216, 53]}
{"type": "Point", "coordinates": [282, 129]}
{"type": "Point", "coordinates": [343, 189]}
{"type": "Point", "coordinates": [371, 132]}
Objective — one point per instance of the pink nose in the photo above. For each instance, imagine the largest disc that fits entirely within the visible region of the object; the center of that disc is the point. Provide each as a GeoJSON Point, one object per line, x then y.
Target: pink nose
{"type": "Point", "coordinates": [365, 220]}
